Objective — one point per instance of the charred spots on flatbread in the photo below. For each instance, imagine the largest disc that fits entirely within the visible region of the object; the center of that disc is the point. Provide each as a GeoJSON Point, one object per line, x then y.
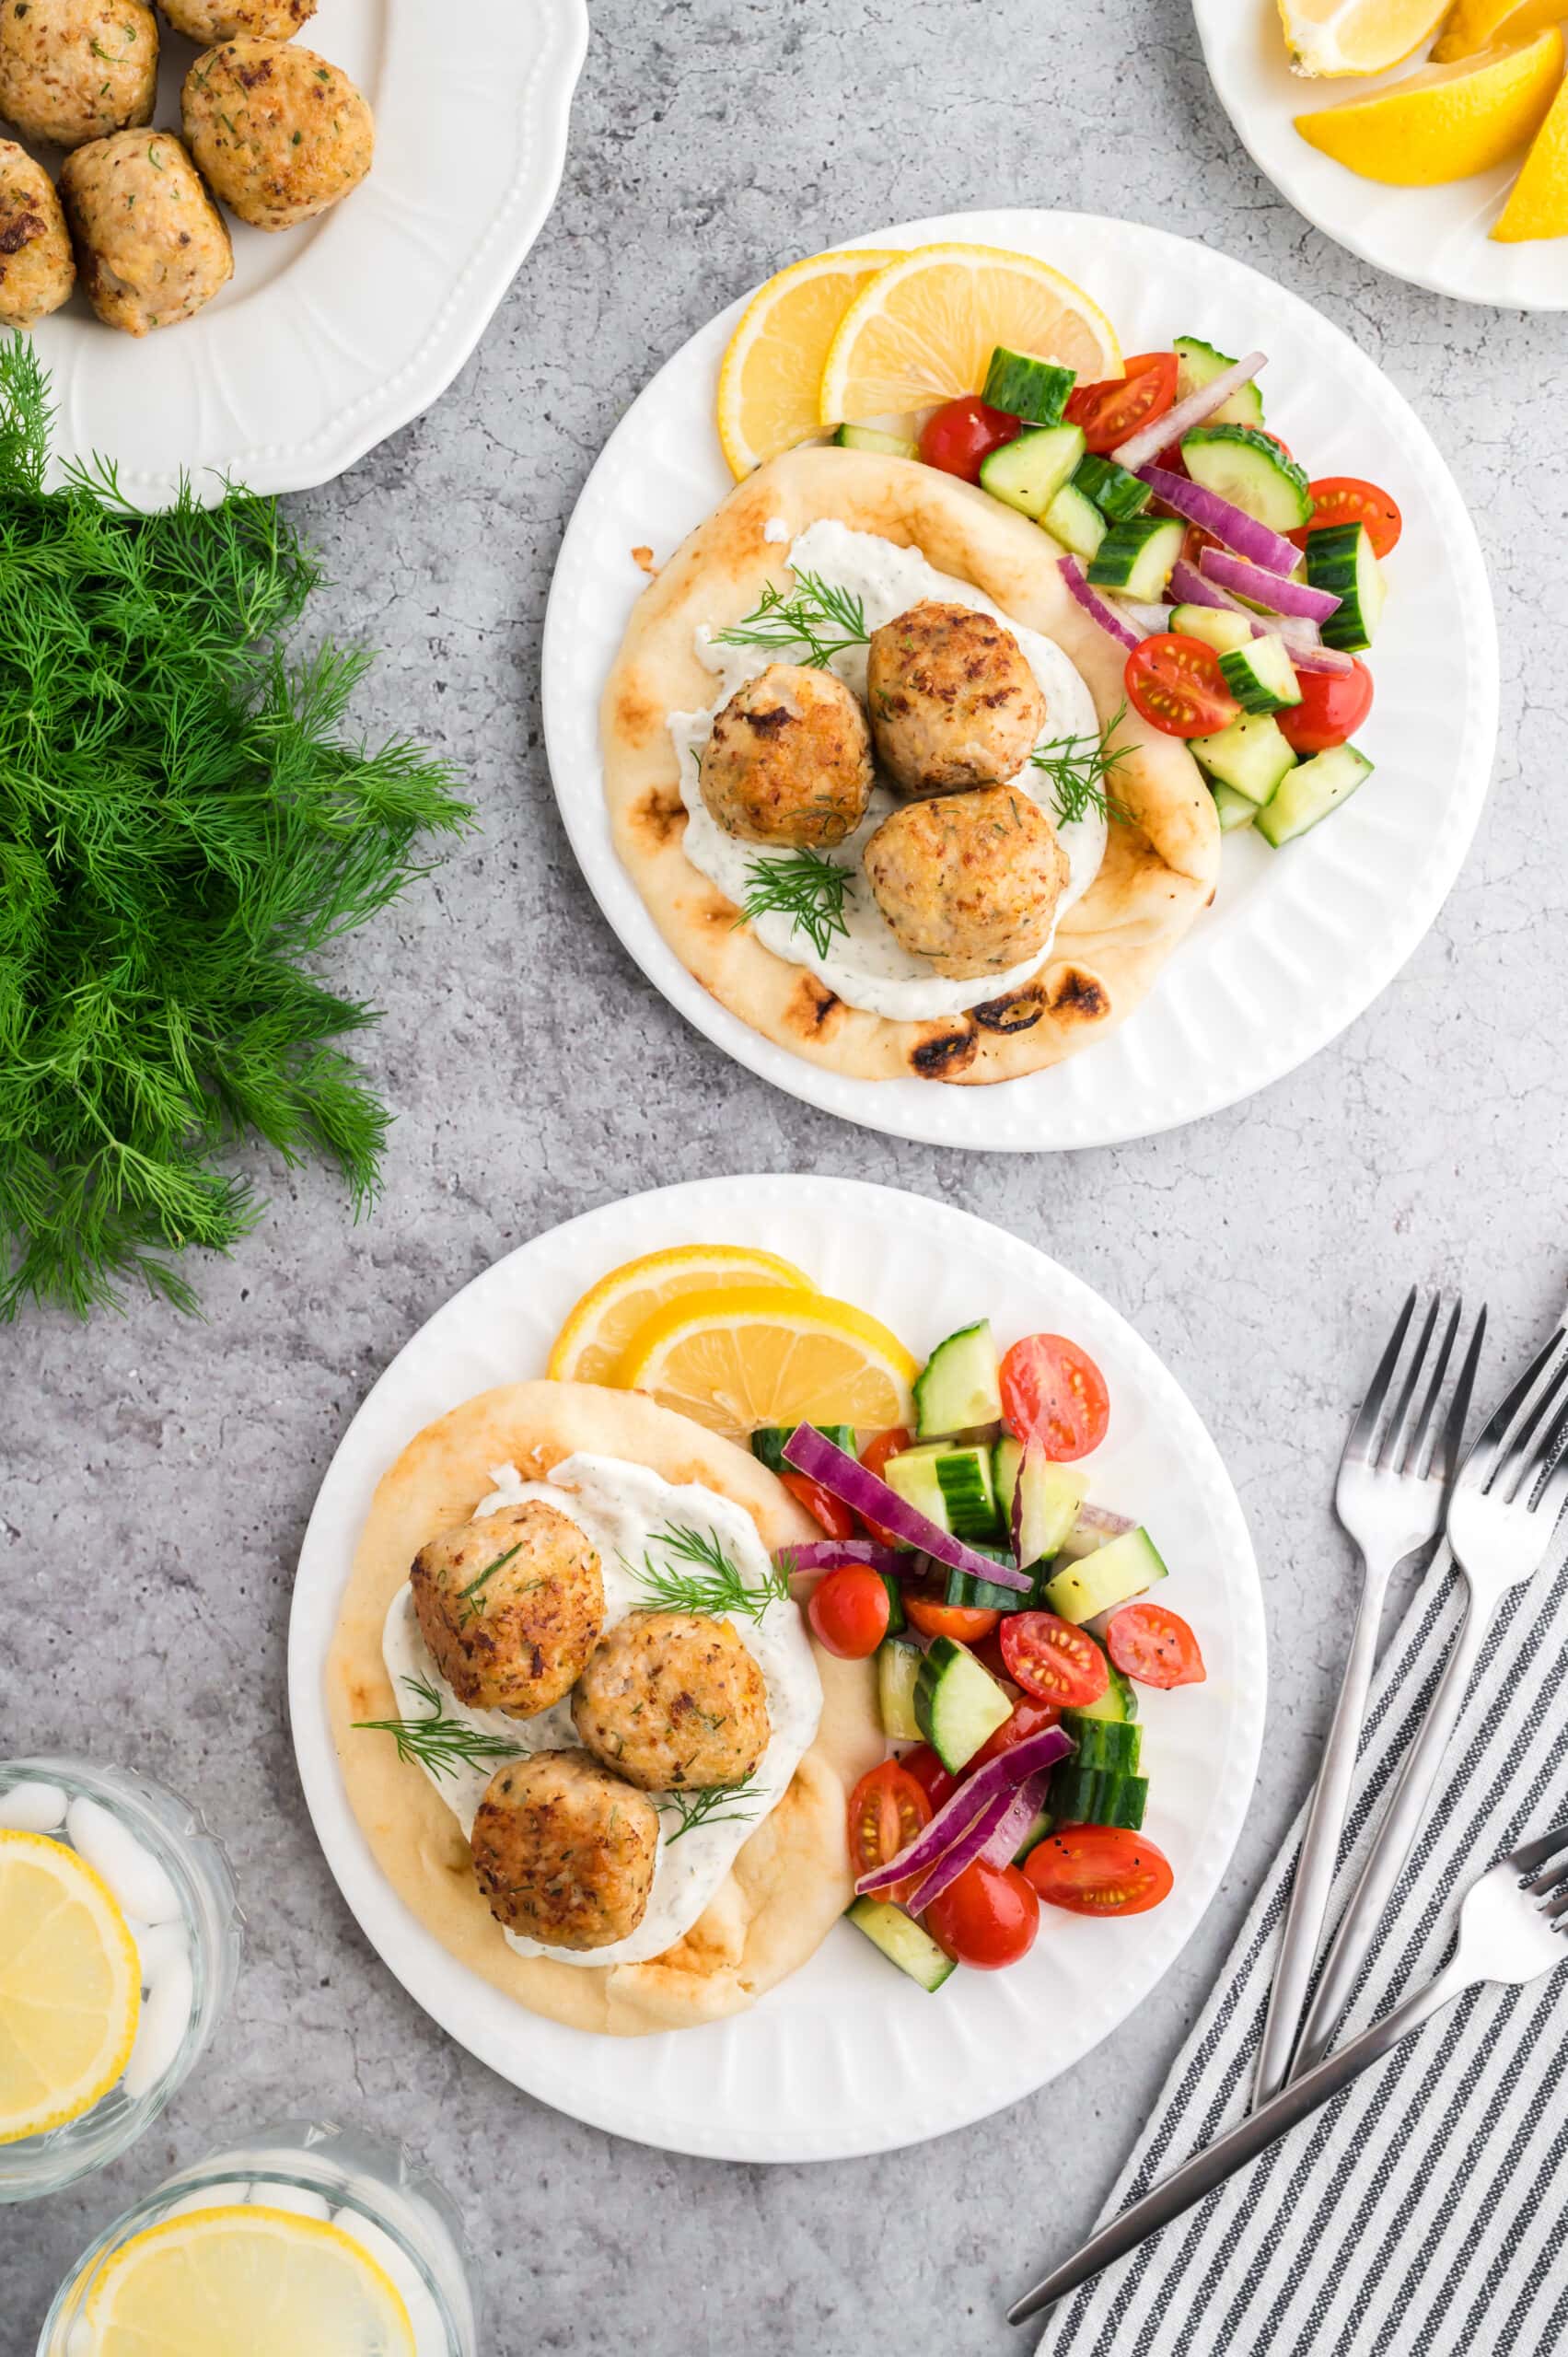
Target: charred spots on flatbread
{"type": "Point", "coordinates": [816, 1012]}
{"type": "Point", "coordinates": [1018, 1010]}
{"type": "Point", "coordinates": [941, 1054]}
{"type": "Point", "coordinates": [661, 814]}
{"type": "Point", "coordinates": [1080, 996]}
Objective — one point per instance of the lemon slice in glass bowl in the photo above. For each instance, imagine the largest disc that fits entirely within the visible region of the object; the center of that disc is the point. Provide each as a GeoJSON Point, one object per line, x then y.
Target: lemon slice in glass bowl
{"type": "Point", "coordinates": [773, 368]}
{"type": "Point", "coordinates": [756, 1356]}
{"type": "Point", "coordinates": [245, 2282]}
{"type": "Point", "coordinates": [70, 1986]}
{"type": "Point", "coordinates": [593, 1340]}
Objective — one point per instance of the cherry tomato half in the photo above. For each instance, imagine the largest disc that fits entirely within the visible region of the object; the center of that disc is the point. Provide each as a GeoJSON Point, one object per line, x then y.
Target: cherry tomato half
{"type": "Point", "coordinates": [1155, 1645]}
{"type": "Point", "coordinates": [957, 436]}
{"type": "Point", "coordinates": [874, 1456]}
{"type": "Point", "coordinates": [963, 1622]}
{"type": "Point", "coordinates": [1052, 1661]}
{"type": "Point", "coordinates": [1333, 706]}
{"type": "Point", "coordinates": [1053, 1393]}
{"type": "Point", "coordinates": [848, 1612]}
{"type": "Point", "coordinates": [887, 1809]}
{"type": "Point", "coordinates": [1176, 684]}
{"type": "Point", "coordinates": [934, 1780]}
{"type": "Point", "coordinates": [1346, 499]}
{"type": "Point", "coordinates": [1098, 1870]}
{"type": "Point", "coordinates": [820, 1505]}
{"type": "Point", "coordinates": [1029, 1717]}
{"type": "Point", "coordinates": [987, 1918]}
{"type": "Point", "coordinates": [1116, 406]}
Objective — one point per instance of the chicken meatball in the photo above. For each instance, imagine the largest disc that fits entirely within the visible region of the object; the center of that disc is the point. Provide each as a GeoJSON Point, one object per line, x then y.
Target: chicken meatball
{"type": "Point", "coordinates": [510, 1607]}
{"type": "Point", "coordinates": [36, 269]}
{"type": "Point", "coordinates": [73, 70]}
{"type": "Point", "coordinates": [674, 1701]}
{"type": "Point", "coordinates": [563, 1851]}
{"type": "Point", "coordinates": [972, 882]}
{"type": "Point", "coordinates": [279, 132]}
{"type": "Point", "coordinates": [789, 761]}
{"type": "Point", "coordinates": [953, 703]}
{"type": "Point", "coordinates": [213, 20]}
{"type": "Point", "coordinates": [150, 243]}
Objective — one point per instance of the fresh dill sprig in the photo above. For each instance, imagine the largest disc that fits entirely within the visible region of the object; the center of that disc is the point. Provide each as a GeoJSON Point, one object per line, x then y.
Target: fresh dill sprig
{"type": "Point", "coordinates": [711, 1806]}
{"type": "Point", "coordinates": [466, 1595]}
{"type": "Point", "coordinates": [804, 886]}
{"type": "Point", "coordinates": [714, 1584]}
{"type": "Point", "coordinates": [822, 619]}
{"type": "Point", "coordinates": [436, 1742]}
{"type": "Point", "coordinates": [185, 830]}
{"type": "Point", "coordinates": [1078, 767]}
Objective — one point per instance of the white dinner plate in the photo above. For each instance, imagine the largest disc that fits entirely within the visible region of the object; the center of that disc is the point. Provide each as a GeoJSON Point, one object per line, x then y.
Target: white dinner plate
{"type": "Point", "coordinates": [1432, 237]}
{"type": "Point", "coordinates": [1298, 942]}
{"type": "Point", "coordinates": [329, 337]}
{"type": "Point", "coordinates": [847, 2056]}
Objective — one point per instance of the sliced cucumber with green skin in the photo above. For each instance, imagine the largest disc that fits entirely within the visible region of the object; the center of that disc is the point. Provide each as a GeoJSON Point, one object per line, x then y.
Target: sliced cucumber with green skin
{"type": "Point", "coordinates": [902, 1941]}
{"type": "Point", "coordinates": [984, 1595]}
{"type": "Point", "coordinates": [1052, 1505]}
{"type": "Point", "coordinates": [898, 1619]}
{"type": "Point", "coordinates": [1136, 557]}
{"type": "Point", "coordinates": [1097, 1796]}
{"type": "Point", "coordinates": [951, 1483]}
{"type": "Point", "coordinates": [1241, 464]}
{"type": "Point", "coordinates": [898, 1667]}
{"type": "Point", "coordinates": [1233, 810]}
{"type": "Point", "coordinates": [958, 1389]}
{"type": "Point", "coordinates": [1115, 492]}
{"type": "Point", "coordinates": [1028, 473]}
{"type": "Point", "coordinates": [1213, 625]}
{"type": "Point", "coordinates": [1120, 1699]}
{"type": "Point", "coordinates": [1197, 365]}
{"type": "Point", "coordinates": [1342, 560]}
{"type": "Point", "coordinates": [957, 1705]}
{"type": "Point", "coordinates": [1251, 756]}
{"type": "Point", "coordinates": [1075, 521]}
{"type": "Point", "coordinates": [1112, 1575]}
{"type": "Point", "coordinates": [913, 1474]}
{"type": "Point", "coordinates": [1113, 1744]}
{"type": "Point", "coordinates": [868, 437]}
{"type": "Point", "coordinates": [1260, 675]}
{"type": "Point", "coordinates": [1034, 389]}
{"type": "Point", "coordinates": [1311, 791]}
{"type": "Point", "coordinates": [768, 1442]}
{"type": "Point", "coordinates": [1039, 1826]}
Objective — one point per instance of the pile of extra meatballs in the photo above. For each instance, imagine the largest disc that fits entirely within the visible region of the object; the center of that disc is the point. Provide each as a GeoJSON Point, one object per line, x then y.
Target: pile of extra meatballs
{"type": "Point", "coordinates": [272, 129]}
{"type": "Point", "coordinates": [565, 1842]}
{"type": "Point", "coordinates": [968, 870]}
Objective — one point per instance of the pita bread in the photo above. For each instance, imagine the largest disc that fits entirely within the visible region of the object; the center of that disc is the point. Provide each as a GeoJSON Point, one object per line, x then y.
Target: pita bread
{"type": "Point", "coordinates": [1160, 869]}
{"type": "Point", "coordinates": [791, 1879]}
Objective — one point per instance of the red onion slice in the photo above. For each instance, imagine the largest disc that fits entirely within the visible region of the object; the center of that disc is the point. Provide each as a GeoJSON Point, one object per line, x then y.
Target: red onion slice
{"type": "Point", "coordinates": [1216, 516]}
{"type": "Point", "coordinates": [1267, 589]}
{"type": "Point", "coordinates": [1098, 607]}
{"type": "Point", "coordinates": [1190, 587]}
{"type": "Point", "coordinates": [826, 1554]}
{"type": "Point", "coordinates": [810, 1452]}
{"type": "Point", "coordinates": [998, 1778]}
{"type": "Point", "coordinates": [1172, 423]}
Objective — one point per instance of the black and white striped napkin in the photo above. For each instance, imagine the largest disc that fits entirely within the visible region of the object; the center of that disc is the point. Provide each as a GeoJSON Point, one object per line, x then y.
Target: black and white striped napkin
{"type": "Point", "coordinates": [1421, 2214]}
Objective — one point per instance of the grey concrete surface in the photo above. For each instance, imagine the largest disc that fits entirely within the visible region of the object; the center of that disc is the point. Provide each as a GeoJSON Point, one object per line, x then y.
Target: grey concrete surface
{"type": "Point", "coordinates": [158, 1473]}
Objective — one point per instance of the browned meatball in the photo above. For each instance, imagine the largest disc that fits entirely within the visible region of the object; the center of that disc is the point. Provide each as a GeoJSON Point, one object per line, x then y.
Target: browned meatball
{"type": "Point", "coordinates": [789, 761]}
{"type": "Point", "coordinates": [150, 244]}
{"type": "Point", "coordinates": [36, 269]}
{"type": "Point", "coordinates": [953, 703]}
{"type": "Point", "coordinates": [564, 1851]}
{"type": "Point", "coordinates": [673, 1700]}
{"type": "Point", "coordinates": [970, 880]}
{"type": "Point", "coordinates": [73, 70]}
{"type": "Point", "coordinates": [510, 1607]}
{"type": "Point", "coordinates": [211, 20]}
{"type": "Point", "coordinates": [279, 132]}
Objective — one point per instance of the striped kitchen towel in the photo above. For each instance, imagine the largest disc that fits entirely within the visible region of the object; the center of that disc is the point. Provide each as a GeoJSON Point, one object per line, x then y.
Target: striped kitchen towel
{"type": "Point", "coordinates": [1420, 2214]}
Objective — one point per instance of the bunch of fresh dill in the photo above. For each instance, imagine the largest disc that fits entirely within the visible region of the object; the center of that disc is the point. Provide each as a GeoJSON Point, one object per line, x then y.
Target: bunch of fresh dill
{"type": "Point", "coordinates": [182, 832]}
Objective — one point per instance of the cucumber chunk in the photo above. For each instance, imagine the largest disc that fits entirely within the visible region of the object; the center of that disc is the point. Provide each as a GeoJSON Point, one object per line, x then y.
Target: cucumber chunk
{"type": "Point", "coordinates": [986, 1595]}
{"type": "Point", "coordinates": [1110, 1576]}
{"type": "Point", "coordinates": [1052, 1503]}
{"type": "Point", "coordinates": [1029, 473]}
{"type": "Point", "coordinates": [1039, 1826]}
{"type": "Point", "coordinates": [1251, 756]}
{"type": "Point", "coordinates": [902, 1941]}
{"type": "Point", "coordinates": [1136, 556]}
{"type": "Point", "coordinates": [913, 1474]}
{"type": "Point", "coordinates": [1075, 521]}
{"type": "Point", "coordinates": [868, 437]}
{"type": "Point", "coordinates": [957, 1705]}
{"type": "Point", "coordinates": [959, 1388]}
{"type": "Point", "coordinates": [898, 1619]}
{"type": "Point", "coordinates": [1213, 625]}
{"type": "Point", "coordinates": [1311, 791]}
{"type": "Point", "coordinates": [1341, 559]}
{"type": "Point", "coordinates": [898, 1667]}
{"type": "Point", "coordinates": [1241, 464]}
{"type": "Point", "coordinates": [1120, 1699]}
{"type": "Point", "coordinates": [1115, 492]}
{"type": "Point", "coordinates": [1096, 1796]}
{"type": "Point", "coordinates": [1198, 363]}
{"type": "Point", "coordinates": [1260, 675]}
{"type": "Point", "coordinates": [1114, 1744]}
{"type": "Point", "coordinates": [1234, 810]}
{"type": "Point", "coordinates": [768, 1442]}
{"type": "Point", "coordinates": [1033, 390]}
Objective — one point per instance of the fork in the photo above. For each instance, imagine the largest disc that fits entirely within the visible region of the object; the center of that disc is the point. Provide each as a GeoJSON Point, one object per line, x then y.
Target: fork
{"type": "Point", "coordinates": [1501, 1513]}
{"type": "Point", "coordinates": [1510, 1929]}
{"type": "Point", "coordinates": [1393, 1479]}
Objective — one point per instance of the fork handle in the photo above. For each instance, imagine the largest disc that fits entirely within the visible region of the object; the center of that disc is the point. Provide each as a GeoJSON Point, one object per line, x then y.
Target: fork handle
{"type": "Point", "coordinates": [1314, 1876]}
{"type": "Point", "coordinates": [1397, 1837]}
{"type": "Point", "coordinates": [1219, 2161]}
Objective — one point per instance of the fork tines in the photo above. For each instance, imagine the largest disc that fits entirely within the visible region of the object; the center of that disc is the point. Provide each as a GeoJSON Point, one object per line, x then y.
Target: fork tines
{"type": "Point", "coordinates": [1405, 1439]}
{"type": "Point", "coordinates": [1523, 1445]}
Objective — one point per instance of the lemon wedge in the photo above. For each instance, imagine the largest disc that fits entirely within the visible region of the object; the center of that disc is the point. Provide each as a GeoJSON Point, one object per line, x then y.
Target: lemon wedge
{"type": "Point", "coordinates": [740, 1358]}
{"type": "Point", "coordinates": [1445, 122]}
{"type": "Point", "coordinates": [923, 331]}
{"type": "Point", "coordinates": [1474, 24]}
{"type": "Point", "coordinates": [245, 2282]}
{"type": "Point", "coordinates": [1537, 206]}
{"type": "Point", "coordinates": [1356, 36]}
{"type": "Point", "coordinates": [773, 368]}
{"type": "Point", "coordinates": [591, 1343]}
{"type": "Point", "coordinates": [70, 1986]}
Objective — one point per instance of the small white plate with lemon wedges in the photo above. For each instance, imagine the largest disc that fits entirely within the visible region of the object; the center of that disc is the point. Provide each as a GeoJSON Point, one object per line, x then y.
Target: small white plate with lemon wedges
{"type": "Point", "coordinates": [1501, 74]}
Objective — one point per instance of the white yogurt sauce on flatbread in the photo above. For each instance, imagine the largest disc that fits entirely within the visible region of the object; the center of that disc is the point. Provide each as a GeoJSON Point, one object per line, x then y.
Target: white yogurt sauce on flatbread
{"type": "Point", "coordinates": [869, 969]}
{"type": "Point", "coordinates": [621, 1508]}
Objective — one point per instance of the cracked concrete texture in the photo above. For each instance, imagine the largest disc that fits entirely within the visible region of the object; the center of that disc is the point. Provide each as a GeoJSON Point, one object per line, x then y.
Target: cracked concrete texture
{"type": "Point", "coordinates": [157, 1475]}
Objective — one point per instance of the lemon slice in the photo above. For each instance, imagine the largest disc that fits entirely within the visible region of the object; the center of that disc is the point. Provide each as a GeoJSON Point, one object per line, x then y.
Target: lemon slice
{"type": "Point", "coordinates": [590, 1345]}
{"type": "Point", "coordinates": [774, 366]}
{"type": "Point", "coordinates": [70, 1986]}
{"type": "Point", "coordinates": [1356, 36]}
{"type": "Point", "coordinates": [1539, 205]}
{"type": "Point", "coordinates": [1445, 122]}
{"type": "Point", "coordinates": [1475, 25]}
{"type": "Point", "coordinates": [924, 329]}
{"type": "Point", "coordinates": [736, 1359]}
{"type": "Point", "coordinates": [245, 2282]}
